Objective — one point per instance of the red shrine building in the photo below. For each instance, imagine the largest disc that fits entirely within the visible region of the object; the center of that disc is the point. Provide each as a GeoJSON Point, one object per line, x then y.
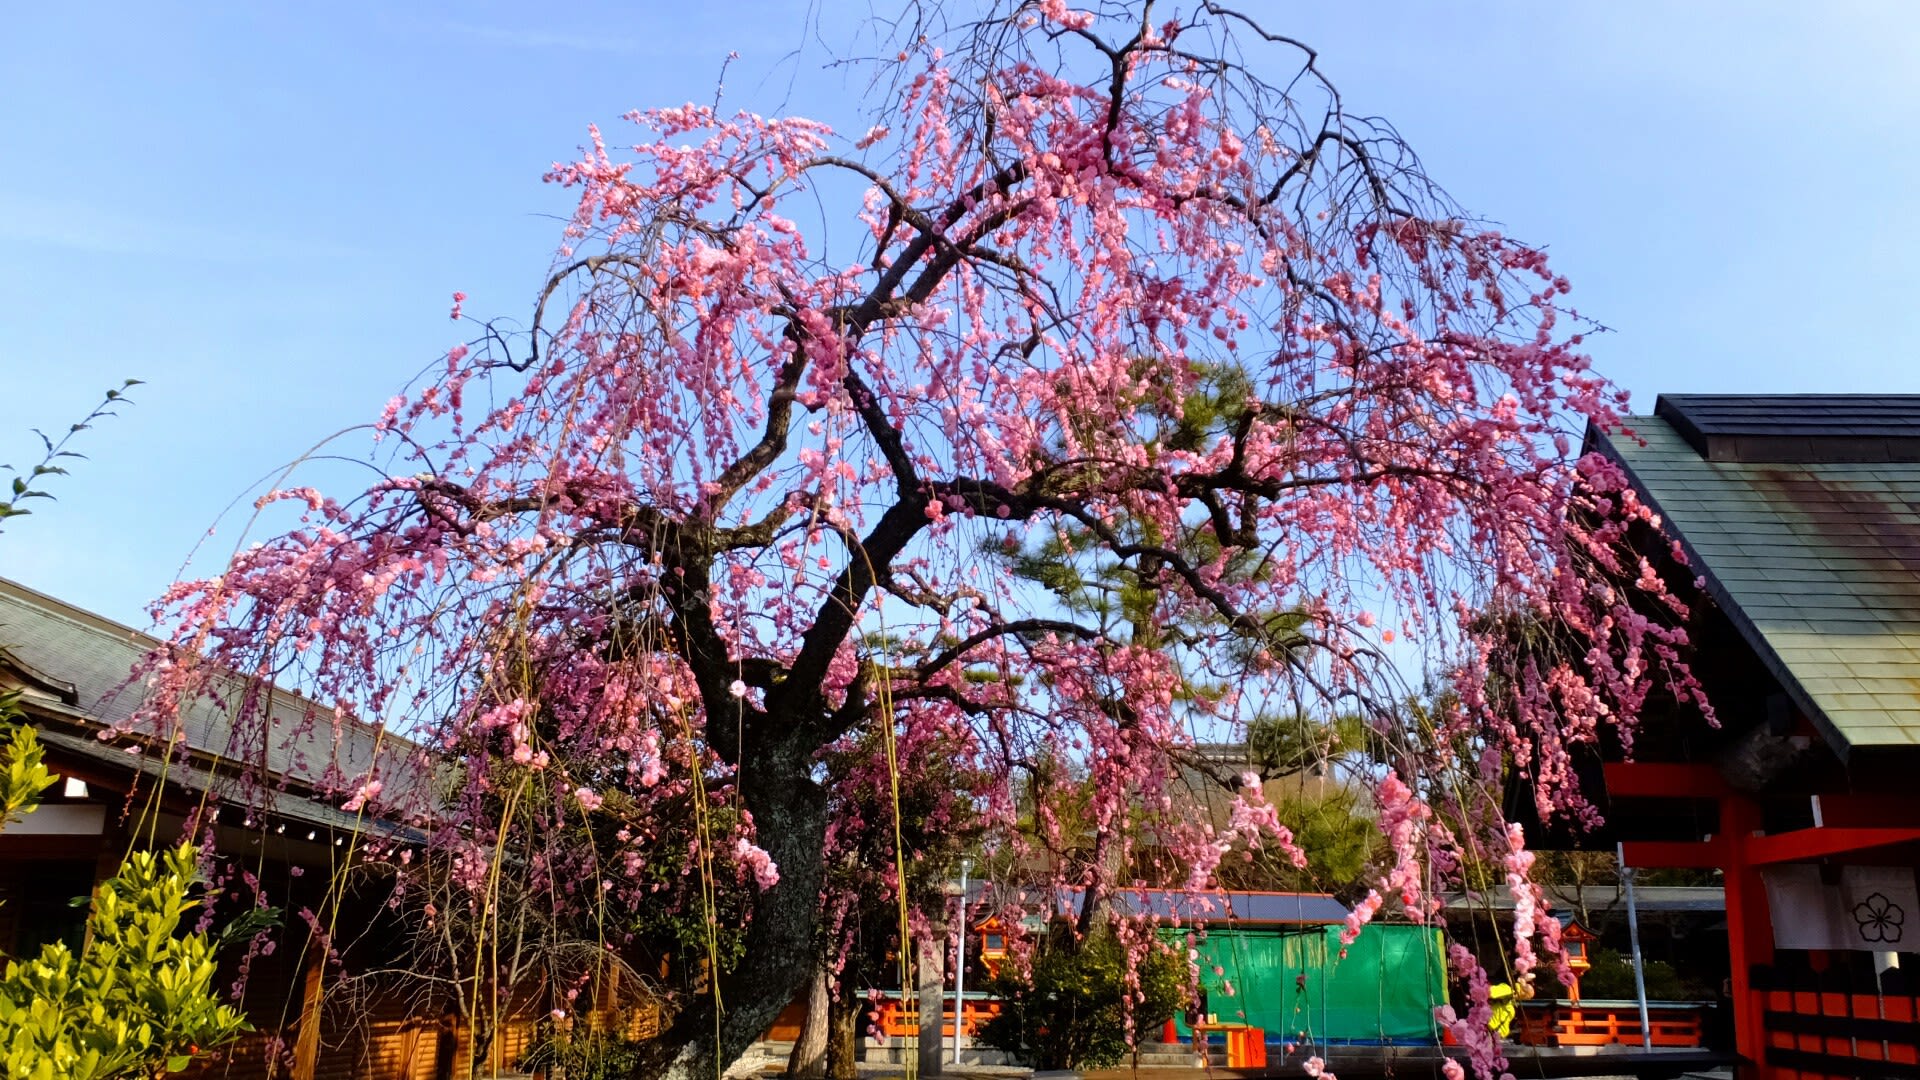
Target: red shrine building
{"type": "Point", "coordinates": [1799, 517]}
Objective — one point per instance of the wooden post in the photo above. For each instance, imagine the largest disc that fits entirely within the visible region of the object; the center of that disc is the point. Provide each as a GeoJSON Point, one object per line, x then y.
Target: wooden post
{"type": "Point", "coordinates": [446, 1043]}
{"type": "Point", "coordinates": [306, 1045]}
{"type": "Point", "coordinates": [960, 969]}
{"type": "Point", "coordinates": [931, 971]}
{"type": "Point", "coordinates": [115, 844]}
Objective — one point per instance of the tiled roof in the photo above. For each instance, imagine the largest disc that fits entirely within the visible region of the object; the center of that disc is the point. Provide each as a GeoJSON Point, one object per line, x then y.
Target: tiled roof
{"type": "Point", "coordinates": [95, 657]}
{"type": "Point", "coordinates": [1816, 562]}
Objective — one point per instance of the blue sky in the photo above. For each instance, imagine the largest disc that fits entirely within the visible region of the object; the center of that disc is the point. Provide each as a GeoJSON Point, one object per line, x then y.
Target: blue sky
{"type": "Point", "coordinates": [261, 210]}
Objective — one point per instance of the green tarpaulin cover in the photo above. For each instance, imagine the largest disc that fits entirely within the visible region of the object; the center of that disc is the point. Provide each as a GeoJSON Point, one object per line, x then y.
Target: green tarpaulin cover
{"type": "Point", "coordinates": [1295, 985]}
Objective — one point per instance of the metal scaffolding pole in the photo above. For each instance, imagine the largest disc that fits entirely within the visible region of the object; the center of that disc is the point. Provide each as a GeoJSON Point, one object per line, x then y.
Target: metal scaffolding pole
{"type": "Point", "coordinates": [960, 969]}
{"type": "Point", "coordinates": [1633, 936]}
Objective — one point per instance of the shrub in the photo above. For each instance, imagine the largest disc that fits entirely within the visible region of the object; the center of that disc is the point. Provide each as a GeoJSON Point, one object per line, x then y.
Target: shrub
{"type": "Point", "coordinates": [139, 1001]}
{"type": "Point", "coordinates": [573, 1055]}
{"type": "Point", "coordinates": [1069, 1011]}
{"type": "Point", "coordinates": [22, 776]}
{"type": "Point", "coordinates": [1611, 979]}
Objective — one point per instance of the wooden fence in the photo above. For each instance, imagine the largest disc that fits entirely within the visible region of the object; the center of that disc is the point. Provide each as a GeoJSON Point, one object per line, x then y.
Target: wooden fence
{"type": "Point", "coordinates": [1609, 1023]}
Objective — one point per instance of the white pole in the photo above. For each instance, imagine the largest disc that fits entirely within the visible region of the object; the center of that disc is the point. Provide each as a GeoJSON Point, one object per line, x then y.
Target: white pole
{"type": "Point", "coordinates": [1633, 936]}
{"type": "Point", "coordinates": [960, 969]}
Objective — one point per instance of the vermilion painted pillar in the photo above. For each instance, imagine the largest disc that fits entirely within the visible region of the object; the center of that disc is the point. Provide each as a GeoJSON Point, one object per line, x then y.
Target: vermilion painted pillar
{"type": "Point", "coordinates": [1749, 931]}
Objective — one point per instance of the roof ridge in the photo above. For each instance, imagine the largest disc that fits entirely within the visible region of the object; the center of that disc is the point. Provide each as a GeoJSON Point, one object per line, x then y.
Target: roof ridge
{"type": "Point", "coordinates": [54, 607]}
{"type": "Point", "coordinates": [62, 609]}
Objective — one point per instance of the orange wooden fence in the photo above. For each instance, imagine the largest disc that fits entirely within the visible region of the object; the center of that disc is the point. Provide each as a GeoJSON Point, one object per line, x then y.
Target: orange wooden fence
{"type": "Point", "coordinates": [897, 1021]}
{"type": "Point", "coordinates": [1609, 1023]}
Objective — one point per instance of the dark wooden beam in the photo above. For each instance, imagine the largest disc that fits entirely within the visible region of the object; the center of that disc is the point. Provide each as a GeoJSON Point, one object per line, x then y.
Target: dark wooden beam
{"type": "Point", "coordinates": [1847, 810]}
{"type": "Point", "coordinates": [1802, 844]}
{"type": "Point", "coordinates": [1675, 854]}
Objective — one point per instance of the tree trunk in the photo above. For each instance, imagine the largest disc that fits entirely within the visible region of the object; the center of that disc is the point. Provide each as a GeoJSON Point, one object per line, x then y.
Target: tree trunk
{"type": "Point", "coordinates": [809, 1058]}
{"type": "Point", "coordinates": [843, 1036]}
{"type": "Point", "coordinates": [480, 1049]}
{"type": "Point", "coordinates": [1093, 897]}
{"type": "Point", "coordinates": [790, 821]}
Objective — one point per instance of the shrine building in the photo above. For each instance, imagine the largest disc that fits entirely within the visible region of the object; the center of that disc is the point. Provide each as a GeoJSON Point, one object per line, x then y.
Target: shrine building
{"type": "Point", "coordinates": [1799, 520]}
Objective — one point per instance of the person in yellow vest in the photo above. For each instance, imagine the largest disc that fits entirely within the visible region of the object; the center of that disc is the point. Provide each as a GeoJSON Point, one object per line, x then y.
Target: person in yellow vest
{"type": "Point", "coordinates": [1500, 996]}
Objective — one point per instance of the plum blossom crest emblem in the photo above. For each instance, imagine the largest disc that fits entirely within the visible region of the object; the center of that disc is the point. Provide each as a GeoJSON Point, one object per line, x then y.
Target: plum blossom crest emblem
{"type": "Point", "coordinates": [1880, 918]}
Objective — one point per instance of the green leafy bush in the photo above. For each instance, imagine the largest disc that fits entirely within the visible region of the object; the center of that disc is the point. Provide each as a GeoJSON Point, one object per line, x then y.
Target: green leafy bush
{"type": "Point", "coordinates": [139, 1001]}
{"type": "Point", "coordinates": [1611, 979]}
{"type": "Point", "coordinates": [1070, 1012]}
{"type": "Point", "coordinates": [22, 776]}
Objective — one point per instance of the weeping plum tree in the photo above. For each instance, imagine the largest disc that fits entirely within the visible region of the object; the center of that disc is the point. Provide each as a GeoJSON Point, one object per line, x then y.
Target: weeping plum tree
{"type": "Point", "coordinates": [719, 507]}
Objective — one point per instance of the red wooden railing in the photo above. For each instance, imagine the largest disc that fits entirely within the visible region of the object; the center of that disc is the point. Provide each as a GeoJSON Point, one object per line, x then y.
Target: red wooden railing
{"type": "Point", "coordinates": [1608, 1023]}
{"type": "Point", "coordinates": [896, 1020]}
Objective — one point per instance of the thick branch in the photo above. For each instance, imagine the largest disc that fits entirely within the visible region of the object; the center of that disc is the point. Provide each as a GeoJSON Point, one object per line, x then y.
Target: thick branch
{"type": "Point", "coordinates": [800, 695]}
{"type": "Point", "coordinates": [1017, 626]}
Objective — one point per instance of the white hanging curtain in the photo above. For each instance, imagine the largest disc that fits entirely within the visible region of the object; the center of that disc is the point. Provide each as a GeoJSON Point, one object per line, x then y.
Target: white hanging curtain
{"type": "Point", "coordinates": [1870, 908]}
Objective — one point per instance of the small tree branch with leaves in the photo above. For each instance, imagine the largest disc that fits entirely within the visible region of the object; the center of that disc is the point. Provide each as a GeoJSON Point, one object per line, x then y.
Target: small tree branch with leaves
{"type": "Point", "coordinates": [28, 485]}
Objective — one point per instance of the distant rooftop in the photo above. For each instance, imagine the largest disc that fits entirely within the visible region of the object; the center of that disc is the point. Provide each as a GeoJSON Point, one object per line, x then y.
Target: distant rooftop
{"type": "Point", "coordinates": [1802, 513]}
{"type": "Point", "coordinates": [1647, 898]}
{"type": "Point", "coordinates": [1238, 905]}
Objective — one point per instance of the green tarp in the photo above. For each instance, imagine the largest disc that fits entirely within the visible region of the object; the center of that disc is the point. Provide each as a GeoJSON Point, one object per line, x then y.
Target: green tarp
{"type": "Point", "coordinates": [1297, 987]}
